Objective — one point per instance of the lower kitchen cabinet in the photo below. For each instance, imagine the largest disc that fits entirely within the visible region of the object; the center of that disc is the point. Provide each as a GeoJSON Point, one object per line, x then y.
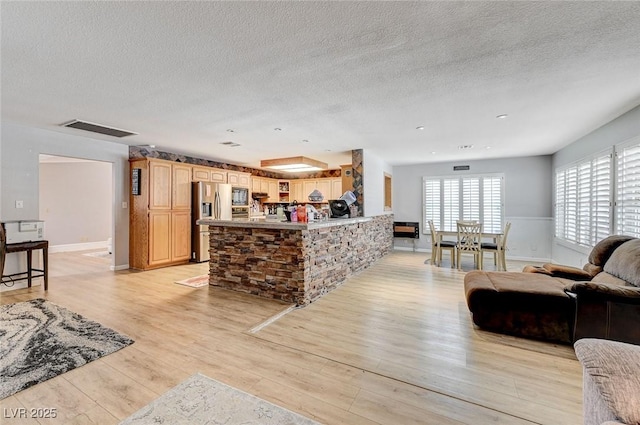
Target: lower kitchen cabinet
{"type": "Point", "coordinates": [168, 241]}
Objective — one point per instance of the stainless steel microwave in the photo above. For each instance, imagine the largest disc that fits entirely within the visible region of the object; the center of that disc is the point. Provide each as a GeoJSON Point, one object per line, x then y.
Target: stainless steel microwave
{"type": "Point", "coordinates": [239, 196]}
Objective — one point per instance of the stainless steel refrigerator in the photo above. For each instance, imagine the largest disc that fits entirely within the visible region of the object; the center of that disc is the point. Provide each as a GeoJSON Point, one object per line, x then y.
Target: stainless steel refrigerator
{"type": "Point", "coordinates": [210, 200]}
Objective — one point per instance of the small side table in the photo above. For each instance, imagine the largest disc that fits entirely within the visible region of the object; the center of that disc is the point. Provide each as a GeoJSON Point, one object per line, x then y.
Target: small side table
{"type": "Point", "coordinates": [29, 247]}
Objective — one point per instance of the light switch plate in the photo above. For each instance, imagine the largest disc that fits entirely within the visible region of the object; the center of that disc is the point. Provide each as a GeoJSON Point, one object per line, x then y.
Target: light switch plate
{"type": "Point", "coordinates": [124, 204]}
{"type": "Point", "coordinates": [19, 204]}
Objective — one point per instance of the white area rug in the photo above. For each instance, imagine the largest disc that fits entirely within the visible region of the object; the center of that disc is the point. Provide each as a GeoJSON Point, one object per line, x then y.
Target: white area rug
{"type": "Point", "coordinates": [202, 400]}
{"type": "Point", "coordinates": [195, 282]}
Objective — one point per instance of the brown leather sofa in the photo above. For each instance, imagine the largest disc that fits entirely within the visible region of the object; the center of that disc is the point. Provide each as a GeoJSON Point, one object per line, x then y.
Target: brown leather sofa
{"type": "Point", "coordinates": [561, 303]}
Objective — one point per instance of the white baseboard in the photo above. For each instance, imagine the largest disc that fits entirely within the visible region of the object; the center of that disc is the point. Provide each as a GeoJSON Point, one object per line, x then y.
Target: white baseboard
{"type": "Point", "coordinates": [120, 267]}
{"type": "Point", "coordinates": [78, 246]}
{"type": "Point", "coordinates": [408, 248]}
{"type": "Point", "coordinates": [515, 258]}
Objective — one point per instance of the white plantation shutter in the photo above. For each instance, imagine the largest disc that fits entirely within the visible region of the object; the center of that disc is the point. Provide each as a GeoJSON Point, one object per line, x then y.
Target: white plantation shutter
{"type": "Point", "coordinates": [628, 190]}
{"type": "Point", "coordinates": [492, 208]}
{"type": "Point", "coordinates": [432, 204]}
{"type": "Point", "coordinates": [450, 204]}
{"type": "Point", "coordinates": [601, 196]}
{"type": "Point", "coordinates": [583, 201]}
{"type": "Point", "coordinates": [471, 198]}
{"type": "Point", "coordinates": [449, 199]}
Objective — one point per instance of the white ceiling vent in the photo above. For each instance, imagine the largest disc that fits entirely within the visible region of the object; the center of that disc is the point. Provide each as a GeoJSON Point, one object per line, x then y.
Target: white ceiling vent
{"type": "Point", "coordinates": [97, 128]}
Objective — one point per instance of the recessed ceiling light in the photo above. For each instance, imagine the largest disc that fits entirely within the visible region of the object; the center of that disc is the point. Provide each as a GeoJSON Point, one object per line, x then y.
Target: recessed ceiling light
{"type": "Point", "coordinates": [305, 141]}
{"type": "Point", "coordinates": [277, 129]}
{"type": "Point", "coordinates": [487, 147]}
{"type": "Point", "coordinates": [433, 152]}
{"type": "Point", "coordinates": [465, 147]}
{"type": "Point", "coordinates": [230, 130]}
{"type": "Point", "coordinates": [502, 116]}
{"type": "Point", "coordinates": [420, 127]}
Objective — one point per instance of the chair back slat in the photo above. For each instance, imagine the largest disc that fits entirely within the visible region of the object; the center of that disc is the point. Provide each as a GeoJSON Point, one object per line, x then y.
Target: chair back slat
{"type": "Point", "coordinates": [469, 236]}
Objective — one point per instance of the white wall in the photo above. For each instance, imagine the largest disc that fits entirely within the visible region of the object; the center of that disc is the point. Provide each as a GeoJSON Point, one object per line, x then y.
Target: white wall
{"type": "Point", "coordinates": [621, 129]}
{"type": "Point", "coordinates": [373, 169]}
{"type": "Point", "coordinates": [527, 200]}
{"type": "Point", "coordinates": [76, 203]}
{"type": "Point", "coordinates": [21, 147]}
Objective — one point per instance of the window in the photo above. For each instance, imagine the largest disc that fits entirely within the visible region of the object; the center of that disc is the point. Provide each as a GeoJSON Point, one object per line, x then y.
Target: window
{"type": "Point", "coordinates": [583, 200]}
{"type": "Point", "coordinates": [628, 190]}
{"type": "Point", "coordinates": [449, 199]}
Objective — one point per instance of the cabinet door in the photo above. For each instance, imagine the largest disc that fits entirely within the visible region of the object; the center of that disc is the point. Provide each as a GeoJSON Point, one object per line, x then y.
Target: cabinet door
{"type": "Point", "coordinates": [272, 190]}
{"type": "Point", "coordinates": [218, 176]}
{"type": "Point", "coordinates": [181, 181]}
{"type": "Point", "coordinates": [244, 179]}
{"type": "Point", "coordinates": [324, 186]}
{"type": "Point", "coordinates": [160, 185]}
{"type": "Point", "coordinates": [264, 185]}
{"type": "Point", "coordinates": [200, 174]}
{"type": "Point", "coordinates": [180, 235]}
{"type": "Point", "coordinates": [336, 188]}
{"type": "Point", "coordinates": [255, 184]}
{"type": "Point", "coordinates": [233, 178]}
{"type": "Point", "coordinates": [296, 191]}
{"type": "Point", "coordinates": [159, 237]}
{"type": "Point", "coordinates": [308, 186]}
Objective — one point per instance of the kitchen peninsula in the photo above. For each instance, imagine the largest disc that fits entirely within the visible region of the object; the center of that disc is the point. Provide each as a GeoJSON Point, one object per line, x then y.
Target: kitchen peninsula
{"type": "Point", "coordinates": [294, 262]}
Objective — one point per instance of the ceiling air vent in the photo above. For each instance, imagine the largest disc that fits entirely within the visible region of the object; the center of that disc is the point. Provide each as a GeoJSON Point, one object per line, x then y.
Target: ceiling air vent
{"type": "Point", "coordinates": [97, 128]}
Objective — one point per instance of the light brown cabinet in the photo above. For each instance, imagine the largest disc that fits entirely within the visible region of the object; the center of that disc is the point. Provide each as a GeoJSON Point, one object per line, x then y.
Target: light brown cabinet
{"type": "Point", "coordinates": [208, 174]}
{"type": "Point", "coordinates": [238, 179]}
{"type": "Point", "coordinates": [336, 188]}
{"type": "Point", "coordinates": [160, 216]}
{"type": "Point", "coordinates": [296, 191]}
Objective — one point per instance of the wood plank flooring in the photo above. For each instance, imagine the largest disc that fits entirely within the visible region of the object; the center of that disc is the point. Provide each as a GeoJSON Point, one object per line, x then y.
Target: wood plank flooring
{"type": "Point", "coordinates": [393, 345]}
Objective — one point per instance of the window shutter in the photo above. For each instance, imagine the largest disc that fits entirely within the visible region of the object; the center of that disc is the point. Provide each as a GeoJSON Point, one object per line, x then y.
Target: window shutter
{"type": "Point", "coordinates": [471, 198]}
{"type": "Point", "coordinates": [432, 204]}
{"type": "Point", "coordinates": [628, 191]}
{"type": "Point", "coordinates": [601, 199]}
{"type": "Point", "coordinates": [492, 204]}
{"type": "Point", "coordinates": [451, 204]}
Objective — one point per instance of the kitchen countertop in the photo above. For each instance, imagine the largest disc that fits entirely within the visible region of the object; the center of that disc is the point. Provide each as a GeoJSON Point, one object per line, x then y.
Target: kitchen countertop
{"type": "Point", "coordinates": [279, 224]}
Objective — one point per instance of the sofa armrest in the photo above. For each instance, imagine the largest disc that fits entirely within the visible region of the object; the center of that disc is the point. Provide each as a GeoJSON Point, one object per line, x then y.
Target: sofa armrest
{"type": "Point", "coordinates": [606, 311]}
{"type": "Point", "coordinates": [603, 291]}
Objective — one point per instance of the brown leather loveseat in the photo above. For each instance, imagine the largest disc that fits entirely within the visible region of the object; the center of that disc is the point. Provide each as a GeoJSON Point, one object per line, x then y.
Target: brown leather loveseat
{"type": "Point", "coordinates": [564, 304]}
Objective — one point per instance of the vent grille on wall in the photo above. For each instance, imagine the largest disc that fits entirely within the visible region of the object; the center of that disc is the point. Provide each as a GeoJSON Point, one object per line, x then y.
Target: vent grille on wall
{"type": "Point", "coordinates": [97, 128]}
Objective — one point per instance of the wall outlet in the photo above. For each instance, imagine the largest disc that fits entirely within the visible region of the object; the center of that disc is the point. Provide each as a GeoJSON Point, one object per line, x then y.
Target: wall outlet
{"type": "Point", "coordinates": [19, 204]}
{"type": "Point", "coordinates": [124, 204]}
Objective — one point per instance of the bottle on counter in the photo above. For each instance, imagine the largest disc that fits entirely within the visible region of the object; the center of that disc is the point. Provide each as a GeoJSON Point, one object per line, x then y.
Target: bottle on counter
{"type": "Point", "coordinates": [302, 214]}
{"type": "Point", "coordinates": [294, 215]}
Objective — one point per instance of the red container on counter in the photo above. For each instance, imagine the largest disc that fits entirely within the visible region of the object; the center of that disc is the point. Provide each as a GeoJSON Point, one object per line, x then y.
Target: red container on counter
{"type": "Point", "coordinates": [302, 214]}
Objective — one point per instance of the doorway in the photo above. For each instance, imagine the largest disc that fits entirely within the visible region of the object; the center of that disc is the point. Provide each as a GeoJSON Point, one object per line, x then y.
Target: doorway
{"type": "Point", "coordinates": [76, 203]}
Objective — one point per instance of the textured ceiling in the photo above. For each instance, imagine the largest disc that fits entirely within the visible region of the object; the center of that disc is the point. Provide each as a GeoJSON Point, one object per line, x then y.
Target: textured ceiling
{"type": "Point", "coordinates": [342, 75]}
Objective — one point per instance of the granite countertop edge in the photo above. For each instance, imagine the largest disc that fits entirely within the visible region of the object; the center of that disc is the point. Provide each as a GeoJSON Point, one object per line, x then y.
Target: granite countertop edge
{"type": "Point", "coordinates": [277, 224]}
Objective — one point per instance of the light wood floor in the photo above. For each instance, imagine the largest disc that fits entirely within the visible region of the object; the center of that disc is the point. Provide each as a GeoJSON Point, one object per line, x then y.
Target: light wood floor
{"type": "Point", "coordinates": [393, 345]}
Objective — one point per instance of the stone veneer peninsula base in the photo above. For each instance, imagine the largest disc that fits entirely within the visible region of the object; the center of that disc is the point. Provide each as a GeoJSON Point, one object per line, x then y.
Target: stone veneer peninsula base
{"type": "Point", "coordinates": [294, 262]}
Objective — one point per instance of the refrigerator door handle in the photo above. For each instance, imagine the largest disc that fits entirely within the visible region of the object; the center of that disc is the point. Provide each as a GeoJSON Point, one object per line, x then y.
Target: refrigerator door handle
{"type": "Point", "coordinates": [216, 206]}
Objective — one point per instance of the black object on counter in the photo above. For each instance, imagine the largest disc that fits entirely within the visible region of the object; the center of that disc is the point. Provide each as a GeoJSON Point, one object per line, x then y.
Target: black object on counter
{"type": "Point", "coordinates": [339, 208]}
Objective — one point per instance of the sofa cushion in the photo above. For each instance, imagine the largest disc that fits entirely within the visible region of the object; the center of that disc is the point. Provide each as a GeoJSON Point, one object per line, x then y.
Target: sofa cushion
{"type": "Point", "coordinates": [624, 263]}
{"type": "Point", "coordinates": [532, 305]}
{"type": "Point", "coordinates": [614, 370]}
{"type": "Point", "coordinates": [535, 269]}
{"type": "Point", "coordinates": [567, 272]}
{"type": "Point", "coordinates": [603, 249]}
{"type": "Point", "coordinates": [604, 277]}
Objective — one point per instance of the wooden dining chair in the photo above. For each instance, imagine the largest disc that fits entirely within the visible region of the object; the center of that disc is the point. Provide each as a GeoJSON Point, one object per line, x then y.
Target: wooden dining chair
{"type": "Point", "coordinates": [438, 245]}
{"type": "Point", "coordinates": [498, 248]}
{"type": "Point", "coordinates": [469, 242]}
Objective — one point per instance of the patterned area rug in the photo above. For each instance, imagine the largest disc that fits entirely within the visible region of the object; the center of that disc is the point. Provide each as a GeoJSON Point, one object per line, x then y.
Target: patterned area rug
{"type": "Point", "coordinates": [195, 282]}
{"type": "Point", "coordinates": [40, 340]}
{"type": "Point", "coordinates": [202, 400]}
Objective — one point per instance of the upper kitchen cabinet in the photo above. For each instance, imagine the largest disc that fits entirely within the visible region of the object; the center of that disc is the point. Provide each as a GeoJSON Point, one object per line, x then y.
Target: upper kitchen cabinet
{"type": "Point", "coordinates": [208, 174]}
{"type": "Point", "coordinates": [238, 179]}
{"type": "Point", "coordinates": [296, 191]}
{"type": "Point", "coordinates": [159, 183]}
{"type": "Point", "coordinates": [322, 185]}
{"type": "Point", "coordinates": [336, 188]}
{"type": "Point", "coordinates": [181, 187]}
